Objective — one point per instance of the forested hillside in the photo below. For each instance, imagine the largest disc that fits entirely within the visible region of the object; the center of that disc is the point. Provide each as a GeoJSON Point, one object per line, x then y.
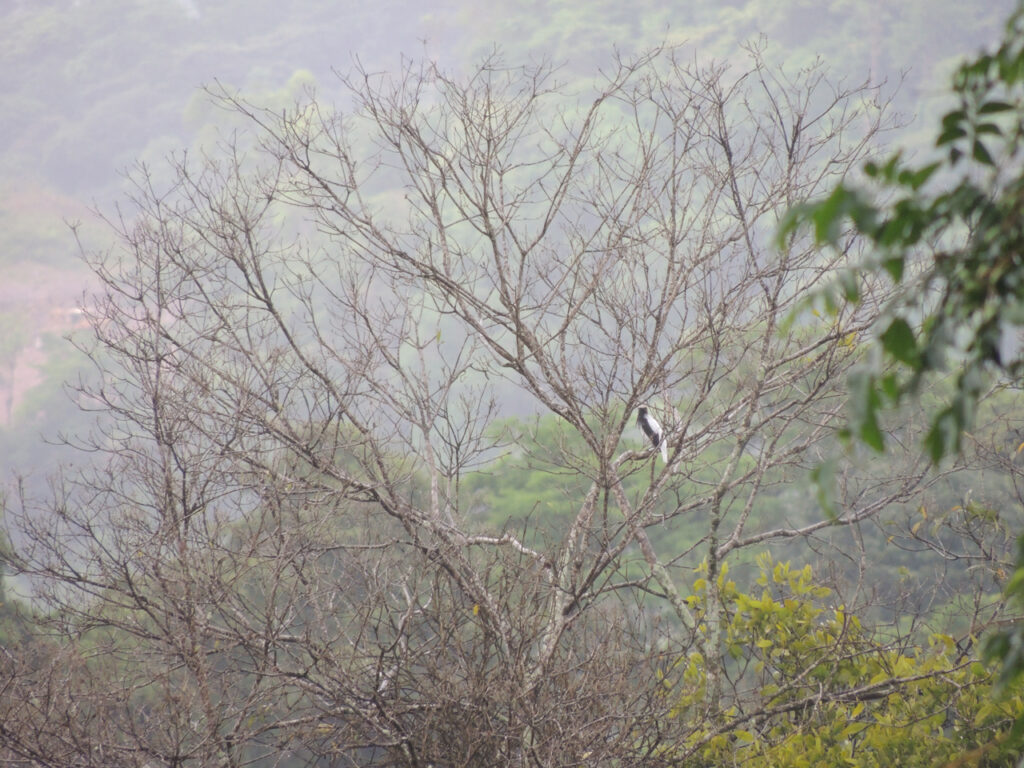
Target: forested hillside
{"type": "Point", "coordinates": [342, 463]}
{"type": "Point", "coordinates": [90, 88]}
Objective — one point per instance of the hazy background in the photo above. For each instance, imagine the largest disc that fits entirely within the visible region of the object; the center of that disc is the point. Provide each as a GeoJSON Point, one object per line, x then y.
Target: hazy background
{"type": "Point", "coordinates": [90, 87]}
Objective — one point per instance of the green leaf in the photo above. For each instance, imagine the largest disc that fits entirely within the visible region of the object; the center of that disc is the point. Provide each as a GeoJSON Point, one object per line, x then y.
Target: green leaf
{"type": "Point", "coordinates": [894, 266]}
{"type": "Point", "coordinates": [870, 432]}
{"type": "Point", "coordinates": [864, 404]}
{"type": "Point", "coordinates": [991, 107]}
{"type": "Point", "coordinates": [890, 387]}
{"type": "Point", "coordinates": [823, 477]}
{"type": "Point", "coordinates": [981, 154]}
{"type": "Point", "coordinates": [1016, 583]}
{"type": "Point", "coordinates": [953, 119]}
{"type": "Point", "coordinates": [950, 135]}
{"type": "Point", "coordinates": [865, 217]}
{"type": "Point", "coordinates": [827, 215]}
{"type": "Point", "coordinates": [793, 220]}
{"type": "Point", "coordinates": [1012, 69]}
{"type": "Point", "coordinates": [849, 282]}
{"type": "Point", "coordinates": [899, 342]}
{"type": "Point", "coordinates": [919, 177]}
{"type": "Point", "coordinates": [943, 437]}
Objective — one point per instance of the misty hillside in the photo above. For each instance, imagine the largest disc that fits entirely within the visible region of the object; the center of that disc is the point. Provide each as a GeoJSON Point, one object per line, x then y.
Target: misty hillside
{"type": "Point", "coordinates": [92, 87]}
{"type": "Point", "coordinates": [526, 384]}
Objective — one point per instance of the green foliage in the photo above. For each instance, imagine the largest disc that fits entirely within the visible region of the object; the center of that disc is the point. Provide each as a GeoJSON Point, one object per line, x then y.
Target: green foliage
{"type": "Point", "coordinates": [949, 236]}
{"type": "Point", "coordinates": [536, 488]}
{"type": "Point", "coordinates": [815, 686]}
{"type": "Point", "coordinates": [1006, 646]}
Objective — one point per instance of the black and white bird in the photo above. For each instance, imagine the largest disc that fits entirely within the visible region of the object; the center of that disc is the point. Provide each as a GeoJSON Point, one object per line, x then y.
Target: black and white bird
{"type": "Point", "coordinates": [650, 427]}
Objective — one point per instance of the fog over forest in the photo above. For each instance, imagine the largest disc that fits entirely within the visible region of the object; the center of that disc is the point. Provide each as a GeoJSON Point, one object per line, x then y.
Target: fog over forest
{"type": "Point", "coordinates": [92, 87]}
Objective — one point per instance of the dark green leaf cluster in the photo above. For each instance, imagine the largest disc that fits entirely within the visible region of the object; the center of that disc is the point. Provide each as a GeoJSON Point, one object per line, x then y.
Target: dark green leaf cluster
{"type": "Point", "coordinates": [949, 235]}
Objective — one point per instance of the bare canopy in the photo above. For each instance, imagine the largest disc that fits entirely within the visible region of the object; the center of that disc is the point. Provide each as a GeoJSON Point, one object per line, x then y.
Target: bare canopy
{"type": "Point", "coordinates": [309, 340]}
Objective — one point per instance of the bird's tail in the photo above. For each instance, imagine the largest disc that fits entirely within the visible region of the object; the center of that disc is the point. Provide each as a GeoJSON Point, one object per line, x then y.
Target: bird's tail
{"type": "Point", "coordinates": [664, 450]}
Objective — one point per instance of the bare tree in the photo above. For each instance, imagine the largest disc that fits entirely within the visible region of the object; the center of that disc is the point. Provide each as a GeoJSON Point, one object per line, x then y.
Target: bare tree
{"type": "Point", "coordinates": [304, 346]}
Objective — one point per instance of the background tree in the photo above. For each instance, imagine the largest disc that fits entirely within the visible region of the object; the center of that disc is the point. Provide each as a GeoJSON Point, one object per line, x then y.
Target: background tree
{"type": "Point", "coordinates": [304, 347]}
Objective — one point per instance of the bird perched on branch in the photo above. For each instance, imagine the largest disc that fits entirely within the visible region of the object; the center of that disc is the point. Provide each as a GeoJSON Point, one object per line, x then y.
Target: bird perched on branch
{"type": "Point", "coordinates": [650, 427]}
